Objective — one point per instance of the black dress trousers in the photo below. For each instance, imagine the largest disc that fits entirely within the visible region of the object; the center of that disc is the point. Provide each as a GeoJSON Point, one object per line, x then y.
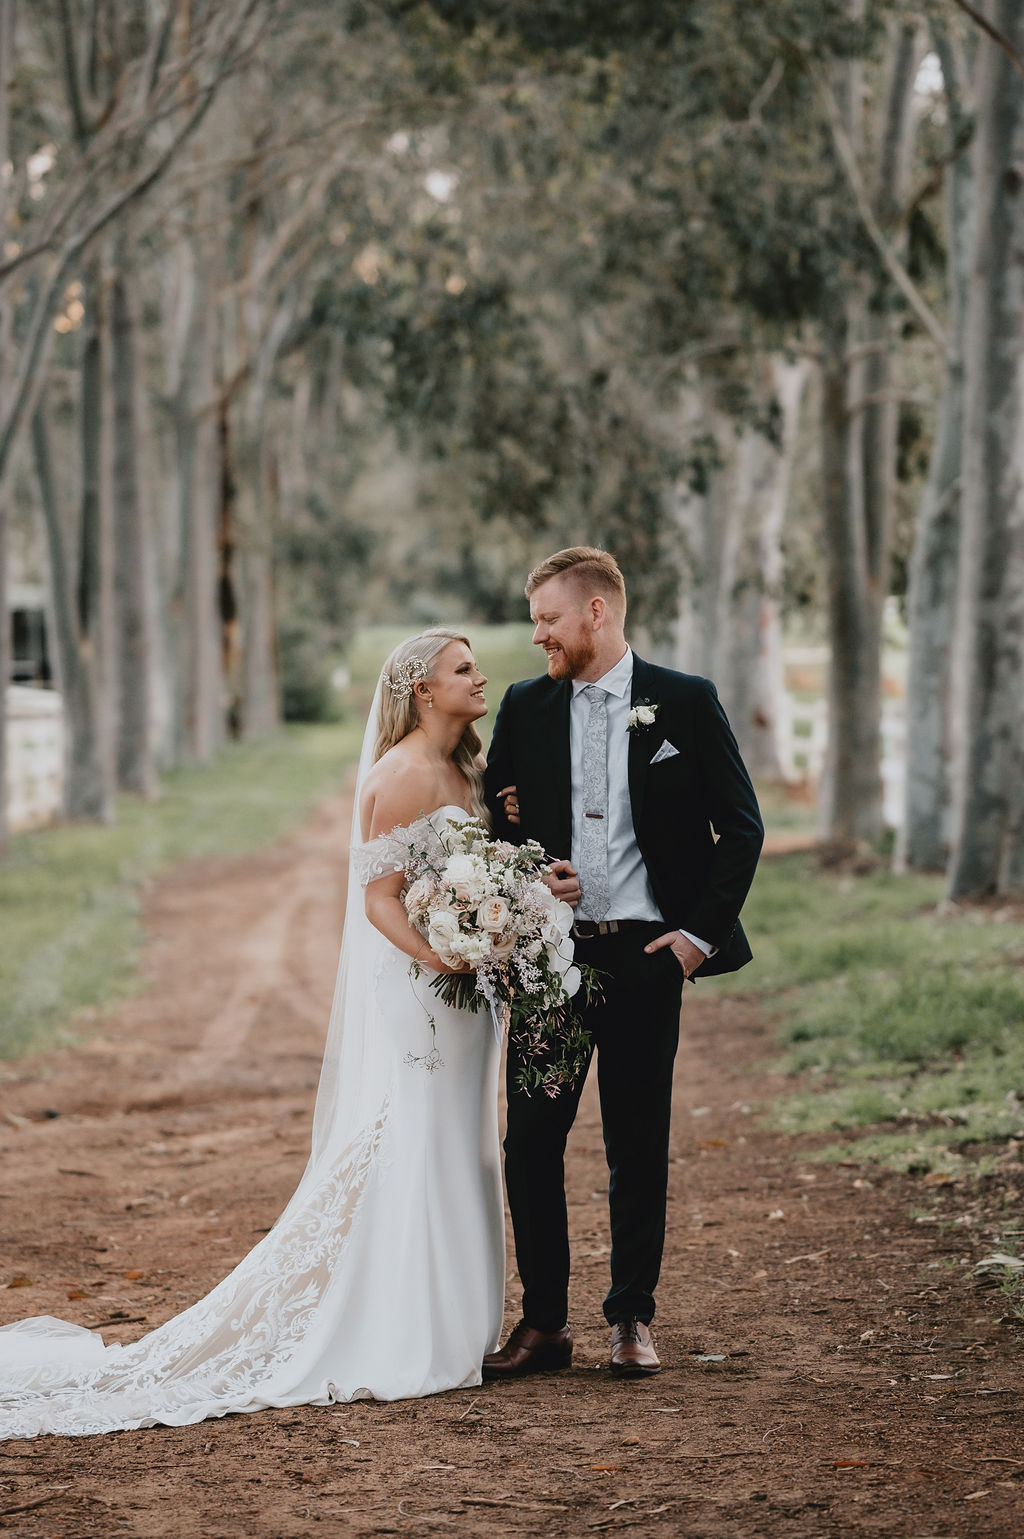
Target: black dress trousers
{"type": "Point", "coordinates": [635, 1031]}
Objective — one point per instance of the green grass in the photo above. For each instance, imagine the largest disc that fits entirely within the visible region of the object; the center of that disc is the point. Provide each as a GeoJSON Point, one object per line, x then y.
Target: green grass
{"type": "Point", "coordinates": [70, 931]}
{"type": "Point", "coordinates": [898, 1019]}
{"type": "Point", "coordinates": [69, 897]}
{"type": "Point", "coordinates": [901, 1025]}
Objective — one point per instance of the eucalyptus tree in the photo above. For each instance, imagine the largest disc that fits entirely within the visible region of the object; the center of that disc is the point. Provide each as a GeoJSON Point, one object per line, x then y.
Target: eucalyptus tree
{"type": "Point", "coordinates": [8, 10]}
{"type": "Point", "coordinates": [117, 90]}
{"type": "Point", "coordinates": [925, 833]}
{"type": "Point", "coordinates": [988, 713]}
{"type": "Point", "coordinates": [745, 177]}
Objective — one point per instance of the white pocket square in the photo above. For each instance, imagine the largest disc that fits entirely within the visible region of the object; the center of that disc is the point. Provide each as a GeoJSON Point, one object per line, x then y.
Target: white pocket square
{"type": "Point", "coordinates": [666, 751]}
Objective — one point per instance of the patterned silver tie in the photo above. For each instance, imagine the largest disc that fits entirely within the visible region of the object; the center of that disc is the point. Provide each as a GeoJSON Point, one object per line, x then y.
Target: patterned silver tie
{"type": "Point", "coordinates": [593, 872]}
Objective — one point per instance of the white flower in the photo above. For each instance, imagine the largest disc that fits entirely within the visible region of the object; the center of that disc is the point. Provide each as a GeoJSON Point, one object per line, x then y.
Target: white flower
{"type": "Point", "coordinates": [560, 961]}
{"type": "Point", "coordinates": [467, 875]}
{"type": "Point", "coordinates": [642, 715]}
{"type": "Point", "coordinates": [492, 914]}
{"type": "Point", "coordinates": [472, 948]}
{"type": "Point", "coordinates": [444, 927]}
{"type": "Point", "coordinates": [557, 924]}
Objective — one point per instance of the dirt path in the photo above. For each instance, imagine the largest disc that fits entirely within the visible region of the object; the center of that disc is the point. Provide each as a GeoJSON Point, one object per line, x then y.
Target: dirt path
{"type": "Point", "coordinates": [830, 1370]}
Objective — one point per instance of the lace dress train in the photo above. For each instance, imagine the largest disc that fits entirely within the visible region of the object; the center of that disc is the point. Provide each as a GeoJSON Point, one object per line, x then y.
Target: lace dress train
{"type": "Point", "coordinates": [384, 1276]}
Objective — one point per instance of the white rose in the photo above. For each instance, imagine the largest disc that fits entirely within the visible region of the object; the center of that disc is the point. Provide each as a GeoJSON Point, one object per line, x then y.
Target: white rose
{"type": "Point", "coordinates": [472, 948]}
{"type": "Point", "coordinates": [464, 868]}
{"type": "Point", "coordinates": [492, 914]}
{"type": "Point", "coordinates": [444, 927]}
{"type": "Point", "coordinates": [467, 875]}
{"type": "Point", "coordinates": [645, 715]}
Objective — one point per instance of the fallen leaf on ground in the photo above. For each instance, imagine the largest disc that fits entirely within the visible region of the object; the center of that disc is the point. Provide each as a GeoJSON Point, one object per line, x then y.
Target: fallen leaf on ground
{"type": "Point", "coordinates": [998, 1260]}
{"type": "Point", "coordinates": [20, 1282]}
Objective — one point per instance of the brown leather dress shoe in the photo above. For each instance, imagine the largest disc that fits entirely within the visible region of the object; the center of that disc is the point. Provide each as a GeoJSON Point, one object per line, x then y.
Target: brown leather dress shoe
{"type": "Point", "coordinates": [633, 1354]}
{"type": "Point", "coordinates": [529, 1351]}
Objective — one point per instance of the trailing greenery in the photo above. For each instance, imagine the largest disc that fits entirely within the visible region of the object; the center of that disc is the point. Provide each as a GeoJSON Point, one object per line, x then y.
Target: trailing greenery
{"type": "Point", "coordinates": [899, 1018]}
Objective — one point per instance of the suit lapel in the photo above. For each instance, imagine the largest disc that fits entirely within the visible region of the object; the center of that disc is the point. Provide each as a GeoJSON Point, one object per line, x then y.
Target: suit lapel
{"type": "Point", "coordinates": [551, 728]}
{"type": "Point", "coordinates": [640, 746]}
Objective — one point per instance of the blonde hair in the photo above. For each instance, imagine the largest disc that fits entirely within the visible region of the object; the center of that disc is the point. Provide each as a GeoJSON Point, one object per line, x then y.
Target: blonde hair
{"type": "Point", "coordinates": [589, 569]}
{"type": "Point", "coordinates": [400, 710]}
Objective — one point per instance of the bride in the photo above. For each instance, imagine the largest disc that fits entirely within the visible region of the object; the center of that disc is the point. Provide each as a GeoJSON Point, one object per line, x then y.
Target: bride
{"type": "Point", "coordinates": [384, 1276]}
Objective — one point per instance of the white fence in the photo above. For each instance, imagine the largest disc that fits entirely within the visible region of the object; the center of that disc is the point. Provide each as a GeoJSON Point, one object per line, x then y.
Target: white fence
{"type": "Point", "coordinates": [803, 739]}
{"type": "Point", "coordinates": [35, 756]}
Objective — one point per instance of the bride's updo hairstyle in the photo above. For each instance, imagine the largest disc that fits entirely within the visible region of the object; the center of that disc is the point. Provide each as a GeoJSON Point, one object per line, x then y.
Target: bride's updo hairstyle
{"type": "Point", "coordinates": [399, 710]}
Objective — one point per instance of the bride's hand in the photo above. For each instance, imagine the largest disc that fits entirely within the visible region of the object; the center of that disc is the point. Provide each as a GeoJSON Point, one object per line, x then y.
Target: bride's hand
{"type": "Point", "coordinates": [429, 958]}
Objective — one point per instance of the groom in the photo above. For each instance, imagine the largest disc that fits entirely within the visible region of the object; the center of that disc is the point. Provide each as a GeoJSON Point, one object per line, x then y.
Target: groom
{"type": "Point", "coordinates": [629, 767]}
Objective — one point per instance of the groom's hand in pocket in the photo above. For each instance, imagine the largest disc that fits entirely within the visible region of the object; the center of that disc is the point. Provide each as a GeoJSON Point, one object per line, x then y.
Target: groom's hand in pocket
{"type": "Point", "coordinates": [563, 882]}
{"type": "Point", "coordinates": [685, 952]}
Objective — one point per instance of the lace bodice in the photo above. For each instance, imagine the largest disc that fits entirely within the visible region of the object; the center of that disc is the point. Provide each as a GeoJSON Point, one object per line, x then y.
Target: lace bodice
{"type": "Point", "coordinates": [389, 853]}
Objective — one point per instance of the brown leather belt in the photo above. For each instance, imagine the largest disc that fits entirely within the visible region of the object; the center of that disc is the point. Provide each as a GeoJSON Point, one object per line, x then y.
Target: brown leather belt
{"type": "Point", "coordinates": [586, 929]}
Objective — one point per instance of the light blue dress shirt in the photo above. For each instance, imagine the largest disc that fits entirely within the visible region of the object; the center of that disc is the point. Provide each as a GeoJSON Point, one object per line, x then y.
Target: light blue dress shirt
{"type": "Point", "coordinates": [629, 888]}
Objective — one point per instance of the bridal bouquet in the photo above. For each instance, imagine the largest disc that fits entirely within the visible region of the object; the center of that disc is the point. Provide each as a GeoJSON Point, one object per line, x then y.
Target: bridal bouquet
{"type": "Point", "coordinates": [481, 902]}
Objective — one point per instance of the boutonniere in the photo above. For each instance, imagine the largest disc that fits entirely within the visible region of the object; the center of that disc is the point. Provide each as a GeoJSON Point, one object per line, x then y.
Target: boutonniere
{"type": "Point", "coordinates": [642, 714]}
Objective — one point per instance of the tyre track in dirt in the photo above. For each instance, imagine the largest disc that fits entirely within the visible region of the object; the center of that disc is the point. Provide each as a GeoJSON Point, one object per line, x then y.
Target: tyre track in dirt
{"type": "Point", "coordinates": [830, 1370]}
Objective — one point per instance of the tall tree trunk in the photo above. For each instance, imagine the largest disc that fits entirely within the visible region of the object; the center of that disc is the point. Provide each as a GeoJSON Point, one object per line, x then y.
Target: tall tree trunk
{"type": "Point", "coordinates": [729, 625]}
{"type": "Point", "coordinates": [858, 469]}
{"type": "Point", "coordinates": [851, 806]}
{"type": "Point", "coordinates": [988, 719]}
{"type": "Point", "coordinates": [191, 621]}
{"type": "Point", "coordinates": [924, 837]}
{"type": "Point", "coordinates": [132, 588]}
{"type": "Point", "coordinates": [227, 575]}
{"type": "Point", "coordinates": [88, 792]}
{"type": "Point", "coordinates": [258, 705]}
{"type": "Point", "coordinates": [7, 18]}
{"type": "Point", "coordinates": [700, 515]}
{"type": "Point", "coordinates": [749, 663]}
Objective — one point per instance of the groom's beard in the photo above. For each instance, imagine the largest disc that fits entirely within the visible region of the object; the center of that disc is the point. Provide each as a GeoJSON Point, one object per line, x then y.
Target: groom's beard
{"type": "Point", "coordinates": [572, 659]}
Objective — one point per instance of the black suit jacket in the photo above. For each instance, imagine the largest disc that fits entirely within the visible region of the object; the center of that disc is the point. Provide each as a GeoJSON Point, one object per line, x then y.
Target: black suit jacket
{"type": "Point", "coordinates": [679, 805]}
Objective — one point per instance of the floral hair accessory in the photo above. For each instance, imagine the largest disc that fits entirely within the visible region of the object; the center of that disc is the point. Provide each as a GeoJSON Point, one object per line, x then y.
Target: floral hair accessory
{"type": "Point", "coordinates": [406, 675]}
{"type": "Point", "coordinates": [642, 715]}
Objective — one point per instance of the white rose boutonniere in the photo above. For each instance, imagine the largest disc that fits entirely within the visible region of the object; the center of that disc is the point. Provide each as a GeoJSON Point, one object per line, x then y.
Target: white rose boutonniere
{"type": "Point", "coordinates": [642, 714]}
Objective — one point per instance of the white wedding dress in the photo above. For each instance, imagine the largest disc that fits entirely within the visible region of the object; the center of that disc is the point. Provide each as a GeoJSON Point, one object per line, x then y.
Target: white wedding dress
{"type": "Point", "coordinates": [384, 1276]}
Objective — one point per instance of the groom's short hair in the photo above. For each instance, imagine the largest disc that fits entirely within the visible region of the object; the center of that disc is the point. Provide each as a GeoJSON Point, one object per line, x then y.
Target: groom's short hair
{"type": "Point", "coordinates": [589, 570]}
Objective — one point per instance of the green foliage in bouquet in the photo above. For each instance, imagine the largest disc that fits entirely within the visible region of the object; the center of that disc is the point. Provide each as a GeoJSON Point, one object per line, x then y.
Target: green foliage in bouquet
{"type": "Point", "coordinates": [483, 907]}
